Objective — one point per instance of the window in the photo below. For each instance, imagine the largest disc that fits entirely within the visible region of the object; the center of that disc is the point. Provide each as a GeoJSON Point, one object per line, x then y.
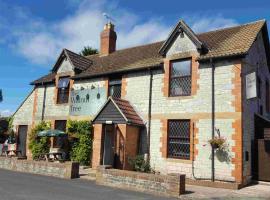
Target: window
{"type": "Point", "coordinates": [180, 78]}
{"type": "Point", "coordinates": [60, 125]}
{"type": "Point", "coordinates": [267, 97]}
{"type": "Point", "coordinates": [179, 139]}
{"type": "Point", "coordinates": [115, 87]}
{"type": "Point", "coordinates": [259, 84]}
{"type": "Point", "coordinates": [63, 90]}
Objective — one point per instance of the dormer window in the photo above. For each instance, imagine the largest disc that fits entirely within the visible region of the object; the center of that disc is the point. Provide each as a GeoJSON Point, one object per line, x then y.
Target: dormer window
{"type": "Point", "coordinates": [63, 90]}
{"type": "Point", "coordinates": [115, 87]}
{"type": "Point", "coordinates": [180, 78]}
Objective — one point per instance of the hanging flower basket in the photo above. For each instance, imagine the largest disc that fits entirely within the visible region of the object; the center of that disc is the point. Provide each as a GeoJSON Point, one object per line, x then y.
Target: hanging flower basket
{"type": "Point", "coordinates": [217, 142]}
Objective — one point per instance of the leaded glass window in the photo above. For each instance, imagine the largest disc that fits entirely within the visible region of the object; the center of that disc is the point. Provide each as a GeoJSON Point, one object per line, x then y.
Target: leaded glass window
{"type": "Point", "coordinates": [115, 88]}
{"type": "Point", "coordinates": [179, 139]}
{"type": "Point", "coordinates": [180, 78]}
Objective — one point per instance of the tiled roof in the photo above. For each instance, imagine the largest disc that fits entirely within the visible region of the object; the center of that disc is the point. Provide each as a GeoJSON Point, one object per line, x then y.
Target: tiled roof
{"type": "Point", "coordinates": [220, 43]}
{"type": "Point", "coordinates": [128, 111]}
{"type": "Point", "coordinates": [230, 41]}
{"type": "Point", "coordinates": [78, 61]}
{"type": "Point", "coordinates": [45, 79]}
{"type": "Point", "coordinates": [126, 59]}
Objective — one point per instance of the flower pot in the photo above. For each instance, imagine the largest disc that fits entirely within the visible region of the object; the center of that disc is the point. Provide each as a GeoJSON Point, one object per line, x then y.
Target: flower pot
{"type": "Point", "coordinates": [215, 146]}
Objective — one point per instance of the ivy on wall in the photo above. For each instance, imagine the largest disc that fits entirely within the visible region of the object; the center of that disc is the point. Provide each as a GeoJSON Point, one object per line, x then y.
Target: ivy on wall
{"type": "Point", "coordinates": [39, 145]}
{"type": "Point", "coordinates": [80, 134]}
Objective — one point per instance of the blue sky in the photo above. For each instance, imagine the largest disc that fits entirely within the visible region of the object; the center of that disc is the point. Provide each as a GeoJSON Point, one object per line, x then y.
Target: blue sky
{"type": "Point", "coordinates": [33, 32]}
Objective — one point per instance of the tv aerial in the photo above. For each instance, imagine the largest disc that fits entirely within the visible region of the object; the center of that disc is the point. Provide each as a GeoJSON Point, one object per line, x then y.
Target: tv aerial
{"type": "Point", "coordinates": [108, 18]}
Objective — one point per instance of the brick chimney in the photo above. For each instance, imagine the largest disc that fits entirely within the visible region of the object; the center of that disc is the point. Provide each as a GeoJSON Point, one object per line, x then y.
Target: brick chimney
{"type": "Point", "coordinates": [107, 40]}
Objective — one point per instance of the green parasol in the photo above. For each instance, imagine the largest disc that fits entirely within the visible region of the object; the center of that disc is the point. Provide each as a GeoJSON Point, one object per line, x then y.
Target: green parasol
{"type": "Point", "coordinates": [51, 133]}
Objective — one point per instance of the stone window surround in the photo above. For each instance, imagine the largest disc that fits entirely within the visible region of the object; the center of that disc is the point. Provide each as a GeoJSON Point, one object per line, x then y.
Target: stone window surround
{"type": "Point", "coordinates": [57, 77]}
{"type": "Point", "coordinates": [179, 77]}
{"type": "Point", "coordinates": [194, 74]}
{"type": "Point", "coordinates": [193, 142]}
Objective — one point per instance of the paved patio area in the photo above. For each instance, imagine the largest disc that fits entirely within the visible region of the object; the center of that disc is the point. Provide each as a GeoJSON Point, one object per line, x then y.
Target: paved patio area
{"type": "Point", "coordinates": [251, 192]}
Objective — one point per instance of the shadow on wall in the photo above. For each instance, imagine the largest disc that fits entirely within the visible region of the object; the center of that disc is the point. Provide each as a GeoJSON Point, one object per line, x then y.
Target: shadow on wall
{"type": "Point", "coordinates": [143, 141]}
{"type": "Point", "coordinates": [223, 155]}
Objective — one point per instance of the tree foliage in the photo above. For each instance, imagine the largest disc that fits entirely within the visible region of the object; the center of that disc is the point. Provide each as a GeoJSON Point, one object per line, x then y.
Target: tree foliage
{"type": "Point", "coordinates": [88, 51]}
{"type": "Point", "coordinates": [39, 145]}
{"type": "Point", "coordinates": [82, 146]}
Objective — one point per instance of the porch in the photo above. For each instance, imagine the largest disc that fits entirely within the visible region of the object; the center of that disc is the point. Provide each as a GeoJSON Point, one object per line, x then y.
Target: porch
{"type": "Point", "coordinates": [117, 129]}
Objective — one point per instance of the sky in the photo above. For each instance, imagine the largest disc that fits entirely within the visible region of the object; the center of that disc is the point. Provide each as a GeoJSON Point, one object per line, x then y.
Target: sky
{"type": "Point", "coordinates": [33, 32]}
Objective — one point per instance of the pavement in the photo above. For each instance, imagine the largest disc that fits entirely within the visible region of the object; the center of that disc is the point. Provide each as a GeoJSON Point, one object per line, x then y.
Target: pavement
{"type": "Point", "coordinates": [22, 186]}
{"type": "Point", "coordinates": [253, 192]}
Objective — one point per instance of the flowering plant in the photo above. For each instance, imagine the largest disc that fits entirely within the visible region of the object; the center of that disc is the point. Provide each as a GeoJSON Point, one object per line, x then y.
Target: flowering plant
{"type": "Point", "coordinates": [217, 142]}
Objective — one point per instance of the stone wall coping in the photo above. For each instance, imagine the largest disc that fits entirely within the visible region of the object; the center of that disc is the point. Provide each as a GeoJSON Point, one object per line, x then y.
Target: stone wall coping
{"type": "Point", "coordinates": [134, 174]}
{"type": "Point", "coordinates": [66, 170]}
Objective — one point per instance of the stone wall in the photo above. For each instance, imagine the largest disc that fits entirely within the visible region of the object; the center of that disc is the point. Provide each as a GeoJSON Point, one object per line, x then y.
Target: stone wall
{"type": "Point", "coordinates": [197, 108]}
{"type": "Point", "coordinates": [66, 170]}
{"type": "Point", "coordinates": [169, 185]}
{"type": "Point", "coordinates": [23, 115]}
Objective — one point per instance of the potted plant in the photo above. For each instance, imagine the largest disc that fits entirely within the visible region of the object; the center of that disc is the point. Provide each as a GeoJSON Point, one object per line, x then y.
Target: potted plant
{"type": "Point", "coordinates": [217, 142]}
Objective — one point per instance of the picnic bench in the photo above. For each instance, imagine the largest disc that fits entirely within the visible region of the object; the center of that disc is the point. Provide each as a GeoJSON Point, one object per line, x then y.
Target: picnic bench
{"type": "Point", "coordinates": [56, 156]}
{"type": "Point", "coordinates": [10, 153]}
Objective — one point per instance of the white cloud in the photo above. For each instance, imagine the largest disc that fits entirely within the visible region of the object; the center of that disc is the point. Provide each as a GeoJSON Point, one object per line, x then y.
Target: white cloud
{"type": "Point", "coordinates": [202, 24]}
{"type": "Point", "coordinates": [6, 113]}
{"type": "Point", "coordinates": [41, 42]}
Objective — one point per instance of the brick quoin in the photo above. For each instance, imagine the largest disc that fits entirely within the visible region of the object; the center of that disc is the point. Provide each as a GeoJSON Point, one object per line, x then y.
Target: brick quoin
{"type": "Point", "coordinates": [97, 142]}
{"type": "Point", "coordinates": [237, 136]}
{"type": "Point", "coordinates": [34, 106]}
{"type": "Point", "coordinates": [163, 138]}
{"type": "Point", "coordinates": [124, 86]}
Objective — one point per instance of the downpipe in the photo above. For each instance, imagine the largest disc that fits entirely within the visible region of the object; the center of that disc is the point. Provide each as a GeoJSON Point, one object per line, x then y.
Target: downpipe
{"type": "Point", "coordinates": [213, 130]}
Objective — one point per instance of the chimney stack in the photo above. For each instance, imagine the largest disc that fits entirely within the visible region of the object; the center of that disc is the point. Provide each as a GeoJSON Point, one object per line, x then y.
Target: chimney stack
{"type": "Point", "coordinates": [107, 40]}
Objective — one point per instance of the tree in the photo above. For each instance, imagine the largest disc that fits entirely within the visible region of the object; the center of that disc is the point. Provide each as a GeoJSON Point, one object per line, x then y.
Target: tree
{"type": "Point", "coordinates": [88, 51]}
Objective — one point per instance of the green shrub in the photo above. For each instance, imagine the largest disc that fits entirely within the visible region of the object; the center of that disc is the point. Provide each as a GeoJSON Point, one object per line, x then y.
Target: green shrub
{"type": "Point", "coordinates": [81, 147]}
{"type": "Point", "coordinates": [39, 145]}
{"type": "Point", "coordinates": [140, 164]}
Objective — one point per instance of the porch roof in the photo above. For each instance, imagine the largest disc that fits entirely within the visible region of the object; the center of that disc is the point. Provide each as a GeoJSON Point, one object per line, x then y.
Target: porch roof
{"type": "Point", "coordinates": [118, 111]}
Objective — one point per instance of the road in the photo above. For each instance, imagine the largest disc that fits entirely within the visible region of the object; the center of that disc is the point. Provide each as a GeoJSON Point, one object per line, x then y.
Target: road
{"type": "Point", "coordinates": [21, 186]}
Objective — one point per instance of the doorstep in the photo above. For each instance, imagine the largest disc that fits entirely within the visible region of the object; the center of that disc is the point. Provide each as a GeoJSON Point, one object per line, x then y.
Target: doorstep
{"type": "Point", "coordinates": [262, 183]}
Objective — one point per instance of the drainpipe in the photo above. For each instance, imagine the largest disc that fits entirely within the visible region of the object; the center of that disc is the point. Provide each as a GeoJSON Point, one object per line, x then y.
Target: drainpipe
{"type": "Point", "coordinates": [149, 113]}
{"type": "Point", "coordinates": [213, 119]}
{"type": "Point", "coordinates": [44, 102]}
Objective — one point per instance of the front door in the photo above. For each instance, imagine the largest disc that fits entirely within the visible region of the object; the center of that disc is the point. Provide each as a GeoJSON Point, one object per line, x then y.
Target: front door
{"type": "Point", "coordinates": [22, 134]}
{"type": "Point", "coordinates": [109, 145]}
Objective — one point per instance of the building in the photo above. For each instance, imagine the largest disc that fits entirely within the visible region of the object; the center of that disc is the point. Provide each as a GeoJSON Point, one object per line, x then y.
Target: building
{"type": "Point", "coordinates": [166, 100]}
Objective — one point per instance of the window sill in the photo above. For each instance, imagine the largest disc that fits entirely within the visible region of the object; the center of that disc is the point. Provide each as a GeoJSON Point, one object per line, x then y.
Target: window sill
{"type": "Point", "coordinates": [62, 104]}
{"type": "Point", "coordinates": [179, 97]}
{"type": "Point", "coordinates": [174, 160]}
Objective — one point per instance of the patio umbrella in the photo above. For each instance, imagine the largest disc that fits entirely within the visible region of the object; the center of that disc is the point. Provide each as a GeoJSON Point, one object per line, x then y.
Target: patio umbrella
{"type": "Point", "coordinates": [51, 133]}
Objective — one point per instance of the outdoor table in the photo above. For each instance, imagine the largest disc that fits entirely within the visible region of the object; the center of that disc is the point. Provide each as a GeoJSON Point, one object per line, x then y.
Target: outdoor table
{"type": "Point", "coordinates": [16, 152]}
{"type": "Point", "coordinates": [47, 156]}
